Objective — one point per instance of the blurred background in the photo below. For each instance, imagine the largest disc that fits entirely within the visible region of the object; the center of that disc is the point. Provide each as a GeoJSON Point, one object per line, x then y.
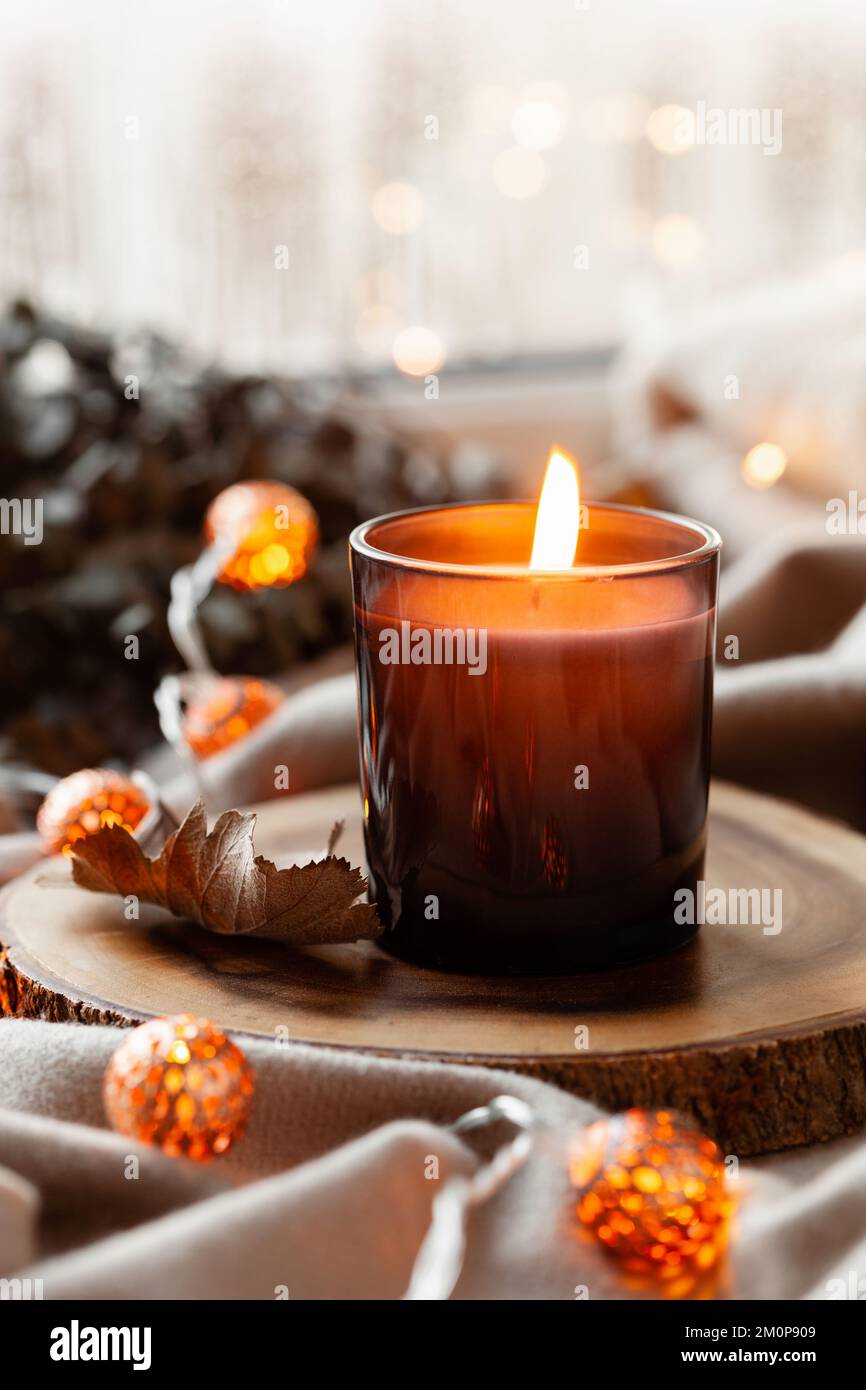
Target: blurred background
{"type": "Point", "coordinates": [389, 253]}
{"type": "Point", "coordinates": [414, 160]}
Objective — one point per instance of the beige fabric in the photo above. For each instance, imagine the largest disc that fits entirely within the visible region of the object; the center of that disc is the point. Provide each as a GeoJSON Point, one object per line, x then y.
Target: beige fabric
{"type": "Point", "coordinates": [790, 714]}
{"type": "Point", "coordinates": [327, 1196]}
{"type": "Point", "coordinates": [781, 360]}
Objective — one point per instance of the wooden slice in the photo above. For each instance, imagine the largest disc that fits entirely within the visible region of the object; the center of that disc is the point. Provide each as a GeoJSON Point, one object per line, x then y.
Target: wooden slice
{"type": "Point", "coordinates": [761, 1037]}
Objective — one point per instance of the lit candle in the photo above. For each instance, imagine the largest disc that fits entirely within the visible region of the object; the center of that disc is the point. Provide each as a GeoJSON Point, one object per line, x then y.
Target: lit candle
{"type": "Point", "coordinates": [534, 728]}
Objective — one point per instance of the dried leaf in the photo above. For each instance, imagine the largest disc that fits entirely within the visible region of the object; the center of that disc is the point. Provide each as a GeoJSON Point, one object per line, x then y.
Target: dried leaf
{"type": "Point", "coordinates": [217, 880]}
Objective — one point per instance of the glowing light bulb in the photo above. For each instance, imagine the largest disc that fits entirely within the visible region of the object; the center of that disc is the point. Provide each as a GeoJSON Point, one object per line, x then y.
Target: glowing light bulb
{"type": "Point", "coordinates": [652, 1192]}
{"type": "Point", "coordinates": [557, 521]}
{"type": "Point", "coordinates": [226, 709]}
{"type": "Point", "coordinates": [273, 531]}
{"type": "Point", "coordinates": [180, 1084]}
{"type": "Point", "coordinates": [82, 804]}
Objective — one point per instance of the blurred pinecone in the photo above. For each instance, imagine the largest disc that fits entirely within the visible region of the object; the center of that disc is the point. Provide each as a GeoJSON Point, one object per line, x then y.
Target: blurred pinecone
{"type": "Point", "coordinates": [127, 442]}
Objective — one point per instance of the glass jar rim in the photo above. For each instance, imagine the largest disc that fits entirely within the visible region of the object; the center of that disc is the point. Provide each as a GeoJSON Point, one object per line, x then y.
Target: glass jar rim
{"type": "Point", "coordinates": [711, 544]}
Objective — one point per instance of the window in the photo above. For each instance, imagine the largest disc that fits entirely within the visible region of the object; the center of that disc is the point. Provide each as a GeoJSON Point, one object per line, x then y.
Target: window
{"type": "Point", "coordinates": [341, 185]}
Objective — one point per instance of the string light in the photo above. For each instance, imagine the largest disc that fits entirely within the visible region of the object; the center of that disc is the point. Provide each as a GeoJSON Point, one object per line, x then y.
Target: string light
{"type": "Point", "coordinates": [272, 530]}
{"type": "Point", "coordinates": [180, 1084]}
{"type": "Point", "coordinates": [652, 1192]}
{"type": "Point", "coordinates": [225, 709]}
{"type": "Point", "coordinates": [83, 803]}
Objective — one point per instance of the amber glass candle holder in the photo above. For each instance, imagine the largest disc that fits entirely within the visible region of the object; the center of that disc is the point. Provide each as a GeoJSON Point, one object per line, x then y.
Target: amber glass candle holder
{"type": "Point", "coordinates": [535, 745]}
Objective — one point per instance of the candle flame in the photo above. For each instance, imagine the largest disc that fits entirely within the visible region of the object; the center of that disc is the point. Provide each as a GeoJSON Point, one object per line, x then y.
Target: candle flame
{"type": "Point", "coordinates": [558, 517]}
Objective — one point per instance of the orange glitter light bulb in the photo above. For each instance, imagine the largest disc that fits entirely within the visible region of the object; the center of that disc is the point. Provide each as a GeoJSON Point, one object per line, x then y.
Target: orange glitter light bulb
{"type": "Point", "coordinates": [273, 531]}
{"type": "Point", "coordinates": [180, 1084]}
{"type": "Point", "coordinates": [652, 1192]}
{"type": "Point", "coordinates": [225, 710]}
{"type": "Point", "coordinates": [83, 803]}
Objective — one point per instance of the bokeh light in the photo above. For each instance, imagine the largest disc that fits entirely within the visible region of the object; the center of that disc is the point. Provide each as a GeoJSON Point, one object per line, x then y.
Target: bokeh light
{"type": "Point", "coordinates": [273, 532]}
{"type": "Point", "coordinates": [764, 465]}
{"type": "Point", "coordinates": [418, 351]}
{"type": "Point", "coordinates": [398, 208]}
{"type": "Point", "coordinates": [652, 1192]}
{"type": "Point", "coordinates": [224, 710]}
{"type": "Point", "coordinates": [670, 129]}
{"type": "Point", "coordinates": [539, 120]}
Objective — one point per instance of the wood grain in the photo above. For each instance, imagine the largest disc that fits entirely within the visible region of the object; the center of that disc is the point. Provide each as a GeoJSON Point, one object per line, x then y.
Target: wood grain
{"type": "Point", "coordinates": [761, 1037]}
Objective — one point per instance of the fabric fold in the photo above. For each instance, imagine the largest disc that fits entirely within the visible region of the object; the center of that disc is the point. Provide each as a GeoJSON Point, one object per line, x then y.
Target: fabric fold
{"type": "Point", "coordinates": [329, 1194]}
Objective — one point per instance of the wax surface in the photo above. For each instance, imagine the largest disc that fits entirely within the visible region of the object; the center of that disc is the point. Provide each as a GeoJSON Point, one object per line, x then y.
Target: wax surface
{"type": "Point", "coordinates": [546, 606]}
